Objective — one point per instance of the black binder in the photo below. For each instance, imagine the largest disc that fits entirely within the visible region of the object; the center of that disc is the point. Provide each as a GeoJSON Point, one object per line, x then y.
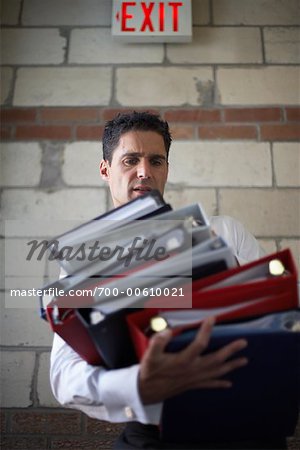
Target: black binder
{"type": "Point", "coordinates": [263, 402]}
{"type": "Point", "coordinates": [111, 337]}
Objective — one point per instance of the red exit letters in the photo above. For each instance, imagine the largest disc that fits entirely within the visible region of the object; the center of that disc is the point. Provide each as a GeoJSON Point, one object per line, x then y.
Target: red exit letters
{"type": "Point", "coordinates": [150, 24]}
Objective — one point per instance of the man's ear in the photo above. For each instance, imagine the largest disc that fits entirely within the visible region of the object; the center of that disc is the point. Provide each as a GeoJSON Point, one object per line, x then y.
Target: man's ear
{"type": "Point", "coordinates": [104, 169]}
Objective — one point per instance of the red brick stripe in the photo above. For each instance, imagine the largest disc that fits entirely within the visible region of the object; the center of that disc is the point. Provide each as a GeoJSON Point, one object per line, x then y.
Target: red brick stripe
{"type": "Point", "coordinates": [6, 132]}
{"type": "Point", "coordinates": [43, 132]}
{"type": "Point", "coordinates": [86, 123]}
{"type": "Point", "coordinates": [109, 114]}
{"type": "Point", "coordinates": [70, 114]}
{"type": "Point", "coordinates": [89, 132]}
{"type": "Point", "coordinates": [285, 132]}
{"type": "Point", "coordinates": [197, 115]}
{"type": "Point", "coordinates": [18, 115]}
{"type": "Point", "coordinates": [182, 131]}
{"type": "Point", "coordinates": [227, 132]}
{"type": "Point", "coordinates": [293, 114]}
{"type": "Point", "coordinates": [252, 115]}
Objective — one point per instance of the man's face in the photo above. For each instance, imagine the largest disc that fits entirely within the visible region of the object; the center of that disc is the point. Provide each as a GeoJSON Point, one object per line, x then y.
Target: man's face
{"type": "Point", "coordinates": [139, 164]}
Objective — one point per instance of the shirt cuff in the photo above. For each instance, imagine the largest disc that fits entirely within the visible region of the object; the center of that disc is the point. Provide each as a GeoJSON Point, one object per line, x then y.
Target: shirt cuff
{"type": "Point", "coordinates": [124, 404]}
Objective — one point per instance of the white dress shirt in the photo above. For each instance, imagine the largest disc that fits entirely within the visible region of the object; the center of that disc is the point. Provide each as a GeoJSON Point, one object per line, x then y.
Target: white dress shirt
{"type": "Point", "coordinates": [113, 395]}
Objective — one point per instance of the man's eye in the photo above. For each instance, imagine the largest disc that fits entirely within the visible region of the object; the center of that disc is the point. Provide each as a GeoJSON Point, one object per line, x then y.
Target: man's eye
{"type": "Point", "coordinates": [130, 161]}
{"type": "Point", "coordinates": [156, 162]}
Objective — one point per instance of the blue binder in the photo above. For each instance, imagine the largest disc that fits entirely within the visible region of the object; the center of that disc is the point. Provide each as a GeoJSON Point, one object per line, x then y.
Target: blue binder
{"type": "Point", "coordinates": [264, 400]}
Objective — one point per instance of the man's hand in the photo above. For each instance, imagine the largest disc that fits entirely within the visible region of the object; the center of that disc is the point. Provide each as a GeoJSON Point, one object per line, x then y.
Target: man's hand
{"type": "Point", "coordinates": [164, 375]}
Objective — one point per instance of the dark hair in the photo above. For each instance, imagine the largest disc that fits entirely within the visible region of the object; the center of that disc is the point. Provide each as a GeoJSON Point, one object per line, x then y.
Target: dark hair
{"type": "Point", "coordinates": [122, 123]}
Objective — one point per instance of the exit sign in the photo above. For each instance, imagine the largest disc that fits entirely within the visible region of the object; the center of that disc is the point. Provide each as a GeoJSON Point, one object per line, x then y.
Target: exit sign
{"type": "Point", "coordinates": [152, 21]}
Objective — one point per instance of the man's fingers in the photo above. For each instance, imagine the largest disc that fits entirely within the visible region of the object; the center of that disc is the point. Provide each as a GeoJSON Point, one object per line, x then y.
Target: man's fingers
{"type": "Point", "coordinates": [217, 358]}
{"type": "Point", "coordinates": [158, 343]}
{"type": "Point", "coordinates": [232, 365]}
{"type": "Point", "coordinates": [199, 344]}
{"type": "Point", "coordinates": [214, 384]}
{"type": "Point", "coordinates": [229, 350]}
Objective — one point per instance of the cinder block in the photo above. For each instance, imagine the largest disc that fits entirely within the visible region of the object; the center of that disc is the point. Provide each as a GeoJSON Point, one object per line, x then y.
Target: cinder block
{"type": "Point", "coordinates": [36, 228]}
{"type": "Point", "coordinates": [258, 86]}
{"type": "Point", "coordinates": [17, 294]}
{"type": "Point", "coordinates": [6, 77]}
{"type": "Point", "coordinates": [16, 378]}
{"type": "Point", "coordinates": [63, 86]}
{"type": "Point", "coordinates": [24, 327]}
{"type": "Point", "coordinates": [184, 197]}
{"type": "Point", "coordinates": [10, 10]}
{"type": "Point", "coordinates": [97, 46]}
{"type": "Point", "coordinates": [23, 292]}
{"type": "Point", "coordinates": [294, 245]}
{"type": "Point", "coordinates": [282, 45]}
{"type": "Point", "coordinates": [164, 86]}
{"type": "Point", "coordinates": [200, 11]}
{"type": "Point", "coordinates": [23, 259]}
{"type": "Point", "coordinates": [287, 164]}
{"type": "Point", "coordinates": [219, 45]}
{"type": "Point", "coordinates": [256, 12]}
{"type": "Point", "coordinates": [32, 46]}
{"type": "Point", "coordinates": [265, 212]}
{"type": "Point", "coordinates": [220, 164]}
{"type": "Point", "coordinates": [21, 164]}
{"type": "Point", "coordinates": [2, 246]}
{"type": "Point", "coordinates": [28, 265]}
{"type": "Point", "coordinates": [268, 245]}
{"type": "Point", "coordinates": [42, 213]}
{"type": "Point", "coordinates": [65, 12]}
{"type": "Point", "coordinates": [45, 396]}
{"type": "Point", "coordinates": [81, 164]}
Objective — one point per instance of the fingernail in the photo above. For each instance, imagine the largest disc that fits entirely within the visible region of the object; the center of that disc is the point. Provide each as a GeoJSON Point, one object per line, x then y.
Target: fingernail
{"type": "Point", "coordinates": [211, 320]}
{"type": "Point", "coordinates": [164, 333]}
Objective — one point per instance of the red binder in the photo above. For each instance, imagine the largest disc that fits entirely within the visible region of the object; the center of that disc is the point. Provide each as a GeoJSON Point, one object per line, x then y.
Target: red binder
{"type": "Point", "coordinates": [268, 284]}
{"type": "Point", "coordinates": [66, 323]}
{"type": "Point", "coordinates": [253, 298]}
{"type": "Point", "coordinates": [71, 330]}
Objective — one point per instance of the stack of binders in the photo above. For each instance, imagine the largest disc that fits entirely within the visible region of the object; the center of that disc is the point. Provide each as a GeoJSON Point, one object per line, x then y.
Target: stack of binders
{"type": "Point", "coordinates": [144, 264]}
{"type": "Point", "coordinates": [125, 260]}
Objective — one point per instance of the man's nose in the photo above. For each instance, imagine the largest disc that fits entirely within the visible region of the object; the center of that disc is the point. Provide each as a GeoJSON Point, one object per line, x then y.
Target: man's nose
{"type": "Point", "coordinates": [143, 169]}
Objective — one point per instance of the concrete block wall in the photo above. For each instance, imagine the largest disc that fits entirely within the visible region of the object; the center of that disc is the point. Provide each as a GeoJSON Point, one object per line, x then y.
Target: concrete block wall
{"type": "Point", "coordinates": [232, 99]}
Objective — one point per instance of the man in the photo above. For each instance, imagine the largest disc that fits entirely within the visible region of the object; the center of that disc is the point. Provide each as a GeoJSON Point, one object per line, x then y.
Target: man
{"type": "Point", "coordinates": [135, 161]}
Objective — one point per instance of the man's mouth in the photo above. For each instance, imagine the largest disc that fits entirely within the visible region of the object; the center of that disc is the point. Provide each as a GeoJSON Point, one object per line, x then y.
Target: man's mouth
{"type": "Point", "coordinates": [142, 189]}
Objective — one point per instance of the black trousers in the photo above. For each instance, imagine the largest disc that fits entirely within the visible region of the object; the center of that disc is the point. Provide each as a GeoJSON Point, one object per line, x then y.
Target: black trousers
{"type": "Point", "coordinates": [139, 436]}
